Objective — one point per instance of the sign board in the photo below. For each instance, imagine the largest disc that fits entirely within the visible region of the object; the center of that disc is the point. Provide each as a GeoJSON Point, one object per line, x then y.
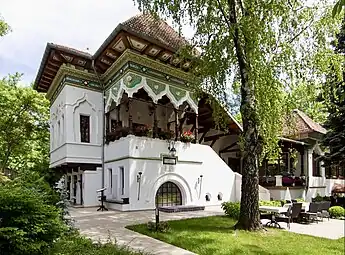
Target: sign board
{"type": "Point", "coordinates": [168, 160]}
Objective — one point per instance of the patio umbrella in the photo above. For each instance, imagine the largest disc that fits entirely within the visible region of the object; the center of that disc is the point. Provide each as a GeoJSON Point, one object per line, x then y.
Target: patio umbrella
{"type": "Point", "coordinates": [287, 194]}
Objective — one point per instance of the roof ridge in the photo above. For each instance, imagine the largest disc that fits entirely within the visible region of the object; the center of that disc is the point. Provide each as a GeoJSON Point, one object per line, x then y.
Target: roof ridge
{"type": "Point", "coordinates": [310, 122]}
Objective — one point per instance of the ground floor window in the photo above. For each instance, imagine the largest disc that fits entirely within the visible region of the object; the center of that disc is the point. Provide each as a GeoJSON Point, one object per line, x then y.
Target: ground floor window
{"type": "Point", "coordinates": [168, 195]}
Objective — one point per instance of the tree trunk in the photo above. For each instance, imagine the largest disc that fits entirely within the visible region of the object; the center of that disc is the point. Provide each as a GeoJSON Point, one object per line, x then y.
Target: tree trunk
{"type": "Point", "coordinates": [249, 213]}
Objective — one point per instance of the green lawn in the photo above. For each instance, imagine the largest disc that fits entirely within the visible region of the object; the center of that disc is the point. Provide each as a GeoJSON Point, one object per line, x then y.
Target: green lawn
{"type": "Point", "coordinates": [215, 235]}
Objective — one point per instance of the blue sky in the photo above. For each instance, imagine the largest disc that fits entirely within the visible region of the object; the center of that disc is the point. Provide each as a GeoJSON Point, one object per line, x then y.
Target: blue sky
{"type": "Point", "coordinates": [80, 24]}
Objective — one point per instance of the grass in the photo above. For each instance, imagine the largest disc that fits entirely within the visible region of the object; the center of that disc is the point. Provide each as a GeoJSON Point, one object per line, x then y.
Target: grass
{"type": "Point", "coordinates": [215, 235]}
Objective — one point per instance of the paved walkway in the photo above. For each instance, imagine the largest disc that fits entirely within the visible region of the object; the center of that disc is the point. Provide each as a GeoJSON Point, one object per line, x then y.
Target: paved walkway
{"type": "Point", "coordinates": [110, 225]}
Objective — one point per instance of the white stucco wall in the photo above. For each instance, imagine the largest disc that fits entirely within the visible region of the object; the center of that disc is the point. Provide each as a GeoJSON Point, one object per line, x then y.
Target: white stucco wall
{"type": "Point", "coordinates": [65, 112]}
{"type": "Point", "coordinates": [287, 193]}
{"type": "Point", "coordinates": [92, 181]}
{"type": "Point", "coordinates": [330, 183]}
{"type": "Point", "coordinates": [141, 154]}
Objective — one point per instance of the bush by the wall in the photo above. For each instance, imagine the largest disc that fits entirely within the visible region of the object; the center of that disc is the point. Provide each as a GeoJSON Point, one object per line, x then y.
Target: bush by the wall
{"type": "Point", "coordinates": [77, 245]}
{"type": "Point", "coordinates": [337, 211]}
{"type": "Point", "coordinates": [231, 209]}
{"type": "Point", "coordinates": [27, 224]}
{"type": "Point", "coordinates": [270, 203]}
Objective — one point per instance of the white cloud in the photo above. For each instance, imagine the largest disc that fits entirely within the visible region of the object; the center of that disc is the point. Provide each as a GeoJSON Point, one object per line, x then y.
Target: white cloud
{"type": "Point", "coordinates": [79, 24]}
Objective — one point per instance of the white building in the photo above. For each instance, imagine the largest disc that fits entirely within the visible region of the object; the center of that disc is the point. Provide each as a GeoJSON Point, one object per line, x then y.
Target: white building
{"type": "Point", "coordinates": [135, 91]}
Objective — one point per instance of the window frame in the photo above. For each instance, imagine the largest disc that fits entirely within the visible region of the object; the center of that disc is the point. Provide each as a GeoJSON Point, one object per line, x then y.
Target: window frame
{"type": "Point", "coordinates": [88, 140]}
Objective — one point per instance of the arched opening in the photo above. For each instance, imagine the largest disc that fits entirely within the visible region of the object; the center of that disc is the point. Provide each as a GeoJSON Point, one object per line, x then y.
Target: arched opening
{"type": "Point", "coordinates": [168, 194]}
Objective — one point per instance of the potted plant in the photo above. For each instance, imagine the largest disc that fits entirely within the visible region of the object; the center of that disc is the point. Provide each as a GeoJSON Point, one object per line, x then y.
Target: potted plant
{"type": "Point", "coordinates": [165, 135]}
{"type": "Point", "coordinates": [187, 137]}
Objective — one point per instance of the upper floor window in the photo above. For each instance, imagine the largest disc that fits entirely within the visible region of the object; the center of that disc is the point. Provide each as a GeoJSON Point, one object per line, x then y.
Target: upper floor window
{"type": "Point", "coordinates": [84, 129]}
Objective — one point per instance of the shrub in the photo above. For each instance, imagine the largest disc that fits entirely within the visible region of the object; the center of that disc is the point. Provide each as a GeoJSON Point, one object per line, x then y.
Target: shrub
{"type": "Point", "coordinates": [270, 203]}
{"type": "Point", "coordinates": [28, 225]}
{"type": "Point", "coordinates": [300, 200]}
{"type": "Point", "coordinates": [231, 209]}
{"type": "Point", "coordinates": [337, 211]}
{"type": "Point", "coordinates": [163, 226]}
{"type": "Point", "coordinates": [77, 245]}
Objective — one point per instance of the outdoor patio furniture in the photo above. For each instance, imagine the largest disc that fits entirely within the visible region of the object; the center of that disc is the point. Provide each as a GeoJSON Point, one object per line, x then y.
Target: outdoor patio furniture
{"type": "Point", "coordinates": [291, 215]}
{"type": "Point", "coordinates": [313, 213]}
{"type": "Point", "coordinates": [273, 210]}
{"type": "Point", "coordinates": [325, 205]}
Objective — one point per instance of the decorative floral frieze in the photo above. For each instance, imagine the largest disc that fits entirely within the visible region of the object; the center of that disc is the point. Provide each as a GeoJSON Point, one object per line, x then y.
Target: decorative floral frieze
{"type": "Point", "coordinates": [132, 82]}
{"type": "Point", "coordinates": [156, 86]}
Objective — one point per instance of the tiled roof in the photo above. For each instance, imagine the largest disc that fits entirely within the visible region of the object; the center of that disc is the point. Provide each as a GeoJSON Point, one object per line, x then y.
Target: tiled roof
{"type": "Point", "coordinates": [303, 125]}
{"type": "Point", "coordinates": [71, 50]}
{"type": "Point", "coordinates": [157, 29]}
{"type": "Point", "coordinates": [316, 127]}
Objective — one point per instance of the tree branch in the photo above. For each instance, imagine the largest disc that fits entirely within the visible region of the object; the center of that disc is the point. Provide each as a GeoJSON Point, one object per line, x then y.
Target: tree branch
{"type": "Point", "coordinates": [300, 32]}
{"type": "Point", "coordinates": [224, 14]}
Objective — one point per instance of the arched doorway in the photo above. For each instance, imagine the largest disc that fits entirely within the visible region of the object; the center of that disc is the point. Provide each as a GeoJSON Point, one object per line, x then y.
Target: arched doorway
{"type": "Point", "coordinates": [168, 194]}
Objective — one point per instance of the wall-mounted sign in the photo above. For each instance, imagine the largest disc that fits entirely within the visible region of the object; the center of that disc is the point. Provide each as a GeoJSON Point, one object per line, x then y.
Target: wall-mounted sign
{"type": "Point", "coordinates": [168, 160]}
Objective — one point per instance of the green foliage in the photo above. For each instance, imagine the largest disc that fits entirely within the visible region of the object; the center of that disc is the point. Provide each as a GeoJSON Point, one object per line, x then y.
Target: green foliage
{"type": "Point", "coordinates": [333, 97]}
{"type": "Point", "coordinates": [337, 211]}
{"type": "Point", "coordinates": [78, 245]}
{"type": "Point", "coordinates": [300, 200]}
{"type": "Point", "coordinates": [24, 128]}
{"type": "Point", "coordinates": [338, 7]}
{"type": "Point", "coordinates": [270, 203]}
{"type": "Point", "coordinates": [28, 224]}
{"type": "Point", "coordinates": [231, 209]}
{"type": "Point", "coordinates": [163, 226]}
{"type": "Point", "coordinates": [4, 27]}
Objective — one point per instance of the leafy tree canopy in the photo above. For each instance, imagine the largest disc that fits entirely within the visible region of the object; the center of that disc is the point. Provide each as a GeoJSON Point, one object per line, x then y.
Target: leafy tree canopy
{"type": "Point", "coordinates": [267, 47]}
{"type": "Point", "coordinates": [4, 27]}
{"type": "Point", "coordinates": [333, 97]}
{"type": "Point", "coordinates": [24, 129]}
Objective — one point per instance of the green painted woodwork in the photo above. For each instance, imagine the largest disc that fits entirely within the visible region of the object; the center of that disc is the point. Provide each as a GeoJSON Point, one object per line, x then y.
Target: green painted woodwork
{"type": "Point", "coordinates": [156, 87]}
{"type": "Point", "coordinates": [177, 93]}
{"type": "Point", "coordinates": [131, 80]}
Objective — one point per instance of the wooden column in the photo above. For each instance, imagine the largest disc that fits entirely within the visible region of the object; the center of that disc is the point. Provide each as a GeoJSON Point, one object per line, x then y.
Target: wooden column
{"type": "Point", "coordinates": [130, 118]}
{"type": "Point", "coordinates": [155, 122]}
{"type": "Point", "coordinates": [118, 114]}
{"type": "Point", "coordinates": [302, 161]}
{"type": "Point", "coordinates": [176, 125]}
{"type": "Point", "coordinates": [107, 129]}
{"type": "Point", "coordinates": [196, 128]}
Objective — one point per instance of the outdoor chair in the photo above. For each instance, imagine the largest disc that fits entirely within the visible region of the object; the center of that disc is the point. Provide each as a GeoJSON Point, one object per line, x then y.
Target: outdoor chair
{"type": "Point", "coordinates": [313, 213]}
{"type": "Point", "coordinates": [265, 216]}
{"type": "Point", "coordinates": [325, 205]}
{"type": "Point", "coordinates": [291, 215]}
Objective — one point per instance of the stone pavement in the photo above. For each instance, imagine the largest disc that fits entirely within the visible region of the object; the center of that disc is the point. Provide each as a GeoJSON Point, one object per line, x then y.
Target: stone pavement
{"type": "Point", "coordinates": [110, 225]}
{"type": "Point", "coordinates": [331, 229]}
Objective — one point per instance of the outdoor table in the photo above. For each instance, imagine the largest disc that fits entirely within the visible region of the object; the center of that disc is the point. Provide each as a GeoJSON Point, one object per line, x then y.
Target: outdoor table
{"type": "Point", "coordinates": [273, 210]}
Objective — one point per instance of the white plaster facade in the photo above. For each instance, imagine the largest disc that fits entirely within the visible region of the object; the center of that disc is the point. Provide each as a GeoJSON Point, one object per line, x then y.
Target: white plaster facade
{"type": "Point", "coordinates": [65, 143]}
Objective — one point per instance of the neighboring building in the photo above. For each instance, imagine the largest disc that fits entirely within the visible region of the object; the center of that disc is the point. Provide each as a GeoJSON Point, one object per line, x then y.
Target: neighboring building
{"type": "Point", "coordinates": [299, 173]}
{"type": "Point", "coordinates": [135, 89]}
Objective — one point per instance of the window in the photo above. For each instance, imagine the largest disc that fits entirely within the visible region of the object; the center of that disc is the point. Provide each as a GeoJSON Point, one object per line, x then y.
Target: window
{"type": "Point", "coordinates": [316, 165]}
{"type": "Point", "coordinates": [168, 194]}
{"type": "Point", "coordinates": [84, 129]}
{"type": "Point", "coordinates": [58, 133]}
{"type": "Point", "coordinates": [110, 178]}
{"type": "Point", "coordinates": [62, 132]}
{"type": "Point", "coordinates": [122, 180]}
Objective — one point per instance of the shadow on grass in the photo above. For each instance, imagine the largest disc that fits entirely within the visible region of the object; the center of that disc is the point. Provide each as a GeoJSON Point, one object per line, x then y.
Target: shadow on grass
{"type": "Point", "coordinates": [216, 235]}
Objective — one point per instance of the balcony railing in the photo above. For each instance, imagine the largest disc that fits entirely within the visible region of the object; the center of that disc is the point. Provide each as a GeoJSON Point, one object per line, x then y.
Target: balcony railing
{"type": "Point", "coordinates": [144, 131]}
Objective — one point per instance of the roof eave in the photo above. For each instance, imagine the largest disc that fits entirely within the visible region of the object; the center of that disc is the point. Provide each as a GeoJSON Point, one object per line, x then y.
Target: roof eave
{"type": "Point", "coordinates": [107, 41]}
{"type": "Point", "coordinates": [42, 65]}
